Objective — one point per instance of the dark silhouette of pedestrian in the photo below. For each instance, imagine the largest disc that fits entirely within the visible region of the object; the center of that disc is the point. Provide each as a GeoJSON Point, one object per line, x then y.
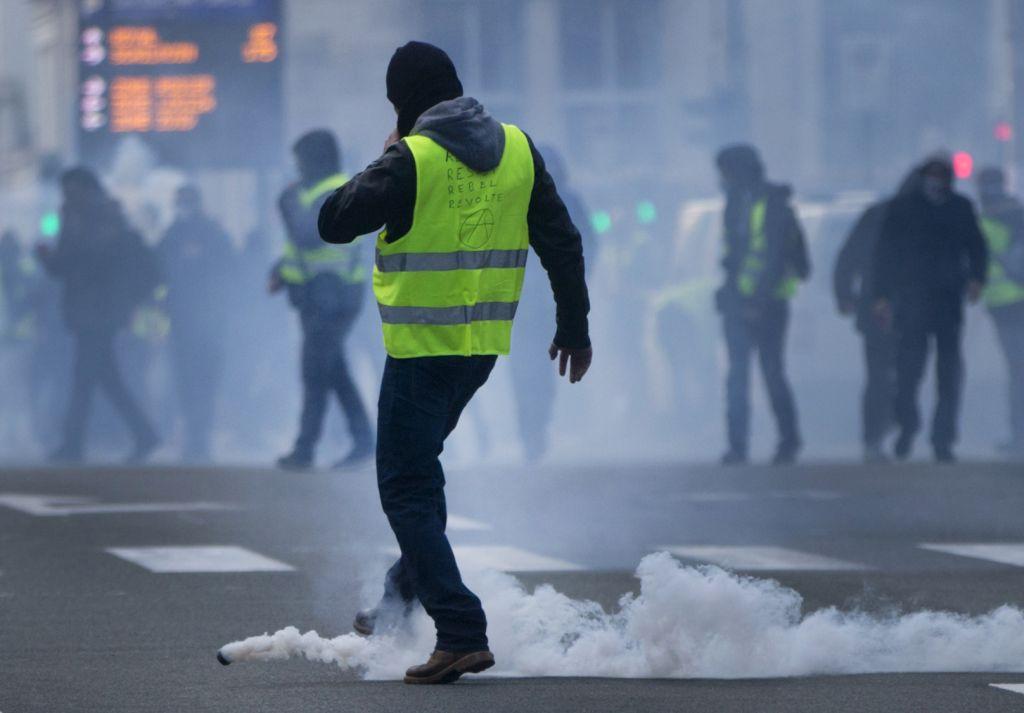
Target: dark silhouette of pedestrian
{"type": "Point", "coordinates": [1002, 224]}
{"type": "Point", "coordinates": [196, 260]}
{"type": "Point", "coordinates": [765, 259]}
{"type": "Point", "coordinates": [327, 285]}
{"type": "Point", "coordinates": [930, 255]}
{"type": "Point", "coordinates": [105, 271]}
{"type": "Point", "coordinates": [852, 285]}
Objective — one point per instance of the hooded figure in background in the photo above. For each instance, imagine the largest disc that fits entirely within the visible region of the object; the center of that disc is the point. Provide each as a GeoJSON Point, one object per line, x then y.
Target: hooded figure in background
{"type": "Point", "coordinates": [461, 198]}
{"type": "Point", "coordinates": [851, 282]}
{"type": "Point", "coordinates": [765, 259]}
{"type": "Point", "coordinates": [327, 286]}
{"type": "Point", "coordinates": [105, 271]}
{"type": "Point", "coordinates": [1002, 224]}
{"type": "Point", "coordinates": [929, 256]}
{"type": "Point", "coordinates": [196, 257]}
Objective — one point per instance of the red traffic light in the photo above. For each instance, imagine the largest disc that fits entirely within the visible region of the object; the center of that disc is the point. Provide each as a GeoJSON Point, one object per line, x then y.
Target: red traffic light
{"type": "Point", "coordinates": [1003, 131]}
{"type": "Point", "coordinates": [963, 164]}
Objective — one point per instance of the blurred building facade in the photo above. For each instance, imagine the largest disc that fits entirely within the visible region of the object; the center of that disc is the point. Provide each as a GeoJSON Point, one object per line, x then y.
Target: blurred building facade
{"type": "Point", "coordinates": [833, 91]}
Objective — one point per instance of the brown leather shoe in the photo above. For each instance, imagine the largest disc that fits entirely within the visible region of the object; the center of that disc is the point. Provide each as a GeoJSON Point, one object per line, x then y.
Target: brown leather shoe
{"type": "Point", "coordinates": [446, 666]}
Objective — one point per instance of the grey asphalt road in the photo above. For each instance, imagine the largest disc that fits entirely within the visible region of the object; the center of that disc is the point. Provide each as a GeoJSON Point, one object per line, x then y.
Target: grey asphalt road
{"type": "Point", "coordinates": [87, 625]}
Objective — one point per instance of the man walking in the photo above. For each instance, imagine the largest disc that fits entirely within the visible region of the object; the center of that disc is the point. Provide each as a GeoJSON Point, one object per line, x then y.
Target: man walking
{"type": "Point", "coordinates": [461, 197]}
{"type": "Point", "coordinates": [327, 287]}
{"type": "Point", "coordinates": [105, 272]}
{"type": "Point", "coordinates": [851, 282]}
{"type": "Point", "coordinates": [196, 258]}
{"type": "Point", "coordinates": [765, 259]}
{"type": "Point", "coordinates": [929, 256]}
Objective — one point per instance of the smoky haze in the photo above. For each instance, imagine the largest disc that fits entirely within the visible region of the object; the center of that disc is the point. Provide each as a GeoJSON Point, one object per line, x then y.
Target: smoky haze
{"type": "Point", "coordinates": [633, 99]}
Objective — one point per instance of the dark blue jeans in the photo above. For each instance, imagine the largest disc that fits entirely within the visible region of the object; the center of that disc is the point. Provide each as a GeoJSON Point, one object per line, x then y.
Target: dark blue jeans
{"type": "Point", "coordinates": [325, 371]}
{"type": "Point", "coordinates": [767, 337]}
{"type": "Point", "coordinates": [420, 403]}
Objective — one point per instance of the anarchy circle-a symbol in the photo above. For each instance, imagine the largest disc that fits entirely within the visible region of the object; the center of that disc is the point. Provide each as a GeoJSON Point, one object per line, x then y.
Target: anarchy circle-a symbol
{"type": "Point", "coordinates": [477, 228]}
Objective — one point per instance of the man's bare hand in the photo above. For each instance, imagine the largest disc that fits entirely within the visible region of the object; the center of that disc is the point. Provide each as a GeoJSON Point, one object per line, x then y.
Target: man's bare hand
{"type": "Point", "coordinates": [578, 361]}
{"type": "Point", "coordinates": [883, 313]}
{"type": "Point", "coordinates": [393, 138]}
{"type": "Point", "coordinates": [274, 284]}
{"type": "Point", "coordinates": [974, 289]}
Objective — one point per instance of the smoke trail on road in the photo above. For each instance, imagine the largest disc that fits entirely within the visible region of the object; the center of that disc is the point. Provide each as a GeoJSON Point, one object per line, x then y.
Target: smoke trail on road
{"type": "Point", "coordinates": [686, 622]}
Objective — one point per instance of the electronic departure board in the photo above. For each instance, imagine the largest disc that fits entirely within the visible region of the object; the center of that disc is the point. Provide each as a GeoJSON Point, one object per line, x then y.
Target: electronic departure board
{"type": "Point", "coordinates": [198, 80]}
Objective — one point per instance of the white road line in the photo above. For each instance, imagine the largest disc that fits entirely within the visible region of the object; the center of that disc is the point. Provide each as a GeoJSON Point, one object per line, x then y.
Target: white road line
{"type": "Point", "coordinates": [1011, 687]}
{"type": "Point", "coordinates": [1011, 553]}
{"type": "Point", "coordinates": [759, 558]}
{"type": "Point", "coordinates": [458, 522]}
{"type": "Point", "coordinates": [505, 559]}
{"type": "Point", "coordinates": [736, 496]}
{"type": "Point", "coordinates": [199, 558]}
{"type": "Point", "coordinates": [64, 505]}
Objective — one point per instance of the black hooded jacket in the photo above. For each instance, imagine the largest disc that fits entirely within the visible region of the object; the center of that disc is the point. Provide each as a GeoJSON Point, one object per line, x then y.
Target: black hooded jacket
{"type": "Point", "coordinates": [784, 242]}
{"type": "Point", "coordinates": [105, 269]}
{"type": "Point", "coordinates": [384, 194]}
{"type": "Point", "coordinates": [852, 278]}
{"type": "Point", "coordinates": [927, 253]}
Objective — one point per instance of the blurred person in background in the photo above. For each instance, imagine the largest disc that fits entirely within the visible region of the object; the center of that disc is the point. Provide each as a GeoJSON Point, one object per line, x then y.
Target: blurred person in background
{"type": "Point", "coordinates": [533, 381]}
{"type": "Point", "coordinates": [1002, 224]}
{"type": "Point", "coordinates": [461, 198]}
{"type": "Point", "coordinates": [930, 254]}
{"type": "Point", "coordinates": [851, 282]}
{"type": "Point", "coordinates": [765, 258]}
{"type": "Point", "coordinates": [105, 272]}
{"type": "Point", "coordinates": [327, 285]}
{"type": "Point", "coordinates": [15, 290]}
{"type": "Point", "coordinates": [196, 260]}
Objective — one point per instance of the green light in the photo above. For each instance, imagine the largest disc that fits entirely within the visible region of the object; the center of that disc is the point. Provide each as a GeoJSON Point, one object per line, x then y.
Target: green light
{"type": "Point", "coordinates": [49, 224]}
{"type": "Point", "coordinates": [601, 221]}
{"type": "Point", "coordinates": [646, 213]}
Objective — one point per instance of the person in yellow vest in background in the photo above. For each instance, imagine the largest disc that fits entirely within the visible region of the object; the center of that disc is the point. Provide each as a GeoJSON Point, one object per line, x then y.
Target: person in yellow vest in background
{"type": "Point", "coordinates": [326, 285]}
{"type": "Point", "coordinates": [765, 258]}
{"type": "Point", "coordinates": [1002, 224]}
{"type": "Point", "coordinates": [461, 198]}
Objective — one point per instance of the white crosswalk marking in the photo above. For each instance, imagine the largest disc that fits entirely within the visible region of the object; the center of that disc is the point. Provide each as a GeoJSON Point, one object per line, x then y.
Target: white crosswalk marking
{"type": "Point", "coordinates": [1011, 687]}
{"type": "Point", "coordinates": [505, 559]}
{"type": "Point", "coordinates": [458, 522]}
{"type": "Point", "coordinates": [65, 505]}
{"type": "Point", "coordinates": [1011, 553]}
{"type": "Point", "coordinates": [731, 496]}
{"type": "Point", "coordinates": [759, 558]}
{"type": "Point", "coordinates": [199, 558]}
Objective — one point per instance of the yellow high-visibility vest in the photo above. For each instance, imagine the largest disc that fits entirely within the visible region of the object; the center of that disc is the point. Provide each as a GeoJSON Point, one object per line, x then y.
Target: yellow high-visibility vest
{"type": "Point", "coordinates": [753, 262]}
{"type": "Point", "coordinates": [451, 285]}
{"type": "Point", "coordinates": [1000, 290]}
{"type": "Point", "coordinates": [300, 266]}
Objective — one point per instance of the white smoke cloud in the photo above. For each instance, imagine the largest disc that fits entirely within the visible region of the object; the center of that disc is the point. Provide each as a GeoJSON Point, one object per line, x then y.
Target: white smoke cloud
{"type": "Point", "coordinates": [686, 622]}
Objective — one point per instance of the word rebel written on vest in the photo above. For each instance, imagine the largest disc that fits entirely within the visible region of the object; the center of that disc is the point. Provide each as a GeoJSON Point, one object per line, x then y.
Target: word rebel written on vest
{"type": "Point", "coordinates": [467, 189]}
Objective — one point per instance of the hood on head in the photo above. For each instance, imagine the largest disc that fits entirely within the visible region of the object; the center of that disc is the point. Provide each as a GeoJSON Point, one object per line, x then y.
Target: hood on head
{"type": "Point", "coordinates": [464, 128]}
{"type": "Point", "coordinates": [740, 165]}
{"type": "Point", "coordinates": [317, 154]}
{"type": "Point", "coordinates": [419, 76]}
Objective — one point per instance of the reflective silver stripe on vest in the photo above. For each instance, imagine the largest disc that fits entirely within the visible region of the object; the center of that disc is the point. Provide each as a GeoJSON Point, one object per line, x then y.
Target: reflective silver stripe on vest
{"type": "Point", "coordinates": [461, 260]}
{"type": "Point", "coordinates": [481, 312]}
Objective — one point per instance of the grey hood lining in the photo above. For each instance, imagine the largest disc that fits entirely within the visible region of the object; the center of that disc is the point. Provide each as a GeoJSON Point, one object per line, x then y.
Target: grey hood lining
{"type": "Point", "coordinates": [465, 129]}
